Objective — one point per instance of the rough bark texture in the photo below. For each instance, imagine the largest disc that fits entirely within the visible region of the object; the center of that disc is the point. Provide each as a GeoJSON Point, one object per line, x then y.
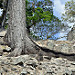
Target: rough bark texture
{"type": "Point", "coordinates": [17, 36]}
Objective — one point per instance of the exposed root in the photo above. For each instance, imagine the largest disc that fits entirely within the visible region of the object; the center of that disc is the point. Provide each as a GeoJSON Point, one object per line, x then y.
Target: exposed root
{"type": "Point", "coordinates": [42, 52]}
{"type": "Point", "coordinates": [15, 52]}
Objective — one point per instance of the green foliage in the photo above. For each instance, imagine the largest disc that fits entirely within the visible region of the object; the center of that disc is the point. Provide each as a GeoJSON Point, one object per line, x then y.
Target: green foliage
{"type": "Point", "coordinates": [36, 13]}
{"type": "Point", "coordinates": [70, 11]}
{"type": "Point", "coordinates": [41, 23]}
{"type": "Point", "coordinates": [41, 20]}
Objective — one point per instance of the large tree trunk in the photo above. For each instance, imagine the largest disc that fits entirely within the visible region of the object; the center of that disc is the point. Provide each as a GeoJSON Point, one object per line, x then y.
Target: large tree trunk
{"type": "Point", "coordinates": [17, 36]}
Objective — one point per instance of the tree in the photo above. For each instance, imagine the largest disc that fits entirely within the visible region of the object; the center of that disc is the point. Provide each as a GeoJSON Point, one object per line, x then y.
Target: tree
{"type": "Point", "coordinates": [36, 12]}
{"type": "Point", "coordinates": [69, 16]}
{"type": "Point", "coordinates": [69, 11]}
{"type": "Point", "coordinates": [41, 23]}
{"type": "Point", "coordinates": [3, 19]}
{"type": "Point", "coordinates": [17, 36]}
{"type": "Point", "coordinates": [39, 19]}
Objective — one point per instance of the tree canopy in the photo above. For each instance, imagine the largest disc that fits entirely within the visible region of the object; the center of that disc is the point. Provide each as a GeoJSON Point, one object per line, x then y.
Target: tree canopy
{"type": "Point", "coordinates": [69, 11]}
{"type": "Point", "coordinates": [41, 23]}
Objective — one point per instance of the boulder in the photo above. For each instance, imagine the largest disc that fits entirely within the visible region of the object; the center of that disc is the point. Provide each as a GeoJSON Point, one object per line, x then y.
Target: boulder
{"type": "Point", "coordinates": [2, 33]}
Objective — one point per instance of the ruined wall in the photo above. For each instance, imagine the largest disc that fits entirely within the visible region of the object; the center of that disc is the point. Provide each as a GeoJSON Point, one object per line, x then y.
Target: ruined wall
{"type": "Point", "coordinates": [67, 47]}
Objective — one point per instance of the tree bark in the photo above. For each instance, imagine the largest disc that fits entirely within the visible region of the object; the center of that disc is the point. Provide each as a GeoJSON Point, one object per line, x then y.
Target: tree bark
{"type": "Point", "coordinates": [17, 36]}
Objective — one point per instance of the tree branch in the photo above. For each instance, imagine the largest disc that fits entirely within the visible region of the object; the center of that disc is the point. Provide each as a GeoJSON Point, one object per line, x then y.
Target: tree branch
{"type": "Point", "coordinates": [5, 9]}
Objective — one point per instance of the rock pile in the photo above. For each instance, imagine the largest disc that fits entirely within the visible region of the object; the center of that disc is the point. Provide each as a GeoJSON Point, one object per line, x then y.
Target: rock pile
{"type": "Point", "coordinates": [29, 65]}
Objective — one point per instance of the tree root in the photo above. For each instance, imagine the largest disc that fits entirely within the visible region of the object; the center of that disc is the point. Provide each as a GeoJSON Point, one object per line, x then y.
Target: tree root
{"type": "Point", "coordinates": [16, 52]}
